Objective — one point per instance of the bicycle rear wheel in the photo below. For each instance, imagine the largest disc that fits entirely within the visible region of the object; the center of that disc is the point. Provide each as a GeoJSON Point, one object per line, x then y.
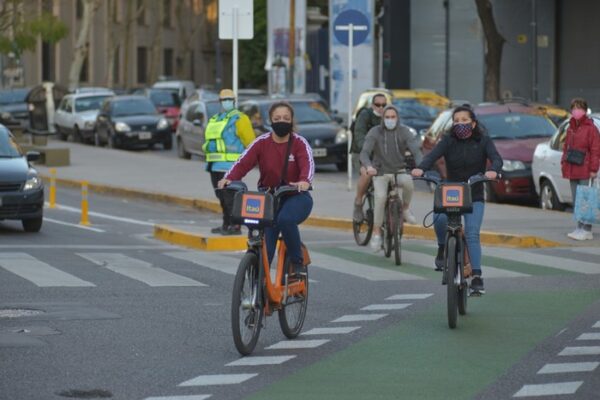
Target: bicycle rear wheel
{"type": "Point", "coordinates": [246, 306]}
{"type": "Point", "coordinates": [387, 231]}
{"type": "Point", "coordinates": [364, 229]}
{"type": "Point", "coordinates": [293, 311]}
{"type": "Point", "coordinates": [398, 219]}
{"type": "Point", "coordinates": [464, 287]}
{"type": "Point", "coordinates": [452, 288]}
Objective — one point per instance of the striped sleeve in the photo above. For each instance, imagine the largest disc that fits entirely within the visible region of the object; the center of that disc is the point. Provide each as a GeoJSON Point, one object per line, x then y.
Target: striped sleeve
{"type": "Point", "coordinates": [305, 159]}
{"type": "Point", "coordinates": [247, 160]}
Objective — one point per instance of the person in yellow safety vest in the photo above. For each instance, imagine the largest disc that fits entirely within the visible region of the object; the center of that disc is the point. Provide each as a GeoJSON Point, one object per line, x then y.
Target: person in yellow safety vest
{"type": "Point", "coordinates": [226, 136]}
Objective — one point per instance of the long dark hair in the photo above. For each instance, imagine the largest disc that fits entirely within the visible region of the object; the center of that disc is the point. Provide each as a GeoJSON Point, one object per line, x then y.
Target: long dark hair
{"type": "Point", "coordinates": [479, 129]}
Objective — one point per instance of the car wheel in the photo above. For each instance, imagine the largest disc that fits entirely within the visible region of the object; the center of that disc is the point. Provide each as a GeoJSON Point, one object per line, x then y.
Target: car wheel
{"type": "Point", "coordinates": [181, 152]}
{"type": "Point", "coordinates": [32, 224]}
{"type": "Point", "coordinates": [548, 198]}
{"type": "Point", "coordinates": [168, 143]}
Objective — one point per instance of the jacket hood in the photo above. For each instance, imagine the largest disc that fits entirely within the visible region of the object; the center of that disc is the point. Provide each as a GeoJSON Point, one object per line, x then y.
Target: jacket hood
{"type": "Point", "coordinates": [389, 107]}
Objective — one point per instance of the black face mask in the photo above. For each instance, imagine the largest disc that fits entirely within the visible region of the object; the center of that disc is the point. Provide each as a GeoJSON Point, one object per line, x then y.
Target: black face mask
{"type": "Point", "coordinates": [281, 128]}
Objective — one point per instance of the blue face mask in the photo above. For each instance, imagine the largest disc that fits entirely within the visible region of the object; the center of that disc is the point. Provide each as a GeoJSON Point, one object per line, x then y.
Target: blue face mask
{"type": "Point", "coordinates": [227, 105]}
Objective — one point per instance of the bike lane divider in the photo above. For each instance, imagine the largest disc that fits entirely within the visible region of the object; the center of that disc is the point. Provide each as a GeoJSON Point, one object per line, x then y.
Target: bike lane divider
{"type": "Point", "coordinates": [344, 330]}
{"type": "Point", "coordinates": [217, 379]}
{"type": "Point", "coordinates": [548, 389]}
{"type": "Point", "coordinates": [185, 397]}
{"type": "Point", "coordinates": [254, 361]}
{"type": "Point", "coordinates": [297, 344]}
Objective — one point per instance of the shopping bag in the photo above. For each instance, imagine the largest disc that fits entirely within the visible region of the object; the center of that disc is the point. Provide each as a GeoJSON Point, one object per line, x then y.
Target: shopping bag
{"type": "Point", "coordinates": [587, 203]}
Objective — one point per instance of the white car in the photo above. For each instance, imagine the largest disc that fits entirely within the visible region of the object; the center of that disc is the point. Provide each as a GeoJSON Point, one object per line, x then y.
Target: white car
{"type": "Point", "coordinates": [554, 191]}
{"type": "Point", "coordinates": [76, 114]}
{"type": "Point", "coordinates": [182, 88]}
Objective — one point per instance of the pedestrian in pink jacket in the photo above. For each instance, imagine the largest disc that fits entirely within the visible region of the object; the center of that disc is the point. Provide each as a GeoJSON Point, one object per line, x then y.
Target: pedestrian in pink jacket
{"type": "Point", "coordinates": [580, 157]}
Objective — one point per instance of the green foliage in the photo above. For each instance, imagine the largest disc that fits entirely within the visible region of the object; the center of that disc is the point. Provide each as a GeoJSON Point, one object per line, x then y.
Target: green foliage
{"type": "Point", "coordinates": [26, 31]}
{"type": "Point", "coordinates": [253, 53]}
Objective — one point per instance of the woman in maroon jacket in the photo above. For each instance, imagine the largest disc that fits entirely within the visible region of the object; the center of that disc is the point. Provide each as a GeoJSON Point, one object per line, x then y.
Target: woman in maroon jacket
{"type": "Point", "coordinates": [268, 151]}
{"type": "Point", "coordinates": [583, 142]}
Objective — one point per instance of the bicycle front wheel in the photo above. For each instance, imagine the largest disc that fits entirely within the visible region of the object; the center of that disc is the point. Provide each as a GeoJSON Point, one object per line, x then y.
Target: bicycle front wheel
{"type": "Point", "coordinates": [364, 229]}
{"type": "Point", "coordinates": [387, 231]}
{"type": "Point", "coordinates": [452, 287]}
{"type": "Point", "coordinates": [293, 311]}
{"type": "Point", "coordinates": [464, 287]}
{"type": "Point", "coordinates": [398, 226]}
{"type": "Point", "coordinates": [246, 306]}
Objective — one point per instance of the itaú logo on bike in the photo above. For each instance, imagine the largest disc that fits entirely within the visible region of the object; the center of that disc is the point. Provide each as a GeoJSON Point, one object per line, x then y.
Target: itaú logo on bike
{"type": "Point", "coordinates": [253, 206]}
{"type": "Point", "coordinates": [452, 196]}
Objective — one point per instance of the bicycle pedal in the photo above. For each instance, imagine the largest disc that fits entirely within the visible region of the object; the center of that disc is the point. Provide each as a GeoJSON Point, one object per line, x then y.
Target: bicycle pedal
{"type": "Point", "coordinates": [476, 293]}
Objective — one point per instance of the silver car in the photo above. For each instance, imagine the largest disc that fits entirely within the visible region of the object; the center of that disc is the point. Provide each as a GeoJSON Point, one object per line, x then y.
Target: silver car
{"type": "Point", "coordinates": [76, 114]}
{"type": "Point", "coordinates": [193, 117]}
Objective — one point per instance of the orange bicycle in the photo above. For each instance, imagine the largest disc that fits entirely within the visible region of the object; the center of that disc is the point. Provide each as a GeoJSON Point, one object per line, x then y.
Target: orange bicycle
{"type": "Point", "coordinates": [255, 295]}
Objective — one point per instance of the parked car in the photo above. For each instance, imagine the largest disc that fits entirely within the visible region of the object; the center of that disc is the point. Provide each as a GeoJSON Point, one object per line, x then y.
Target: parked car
{"type": "Point", "coordinates": [76, 114]}
{"type": "Point", "coordinates": [13, 106]}
{"type": "Point", "coordinates": [194, 116]}
{"type": "Point", "coordinates": [366, 97]}
{"type": "Point", "coordinates": [554, 191]}
{"type": "Point", "coordinates": [166, 102]}
{"type": "Point", "coordinates": [314, 122]}
{"type": "Point", "coordinates": [21, 189]}
{"type": "Point", "coordinates": [181, 88]}
{"type": "Point", "coordinates": [419, 108]}
{"type": "Point", "coordinates": [515, 129]}
{"type": "Point", "coordinates": [125, 121]}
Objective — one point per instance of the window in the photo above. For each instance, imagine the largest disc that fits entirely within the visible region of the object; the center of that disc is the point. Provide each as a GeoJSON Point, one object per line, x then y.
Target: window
{"type": "Point", "coordinates": [140, 5]}
{"type": "Point", "coordinates": [194, 112]}
{"type": "Point", "coordinates": [89, 103]}
{"type": "Point", "coordinates": [132, 107]}
{"type": "Point", "coordinates": [167, 13]}
{"type": "Point", "coordinates": [517, 126]}
{"type": "Point", "coordinates": [142, 65]}
{"type": "Point", "coordinates": [168, 62]}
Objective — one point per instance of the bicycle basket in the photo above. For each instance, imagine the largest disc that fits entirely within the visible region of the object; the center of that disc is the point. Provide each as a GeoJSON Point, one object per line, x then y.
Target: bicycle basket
{"type": "Point", "coordinates": [253, 209]}
{"type": "Point", "coordinates": [452, 197]}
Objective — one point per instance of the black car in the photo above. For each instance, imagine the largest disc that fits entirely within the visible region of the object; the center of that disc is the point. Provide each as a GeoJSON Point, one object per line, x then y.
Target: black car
{"type": "Point", "coordinates": [415, 114]}
{"type": "Point", "coordinates": [21, 189]}
{"type": "Point", "coordinates": [327, 138]}
{"type": "Point", "coordinates": [13, 107]}
{"type": "Point", "coordinates": [126, 121]}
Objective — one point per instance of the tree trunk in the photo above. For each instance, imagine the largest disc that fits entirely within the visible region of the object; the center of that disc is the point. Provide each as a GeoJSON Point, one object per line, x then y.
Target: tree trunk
{"type": "Point", "coordinates": [159, 15]}
{"type": "Point", "coordinates": [130, 18]}
{"type": "Point", "coordinates": [110, 27]}
{"type": "Point", "coordinates": [82, 44]}
{"type": "Point", "coordinates": [493, 50]}
{"type": "Point", "coordinates": [185, 35]}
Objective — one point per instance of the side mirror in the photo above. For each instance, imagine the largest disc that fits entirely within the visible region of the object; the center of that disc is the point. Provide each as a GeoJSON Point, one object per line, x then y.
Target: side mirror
{"type": "Point", "coordinates": [197, 123]}
{"type": "Point", "coordinates": [32, 156]}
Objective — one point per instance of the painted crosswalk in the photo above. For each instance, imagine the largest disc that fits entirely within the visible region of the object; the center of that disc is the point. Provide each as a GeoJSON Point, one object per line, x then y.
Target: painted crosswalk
{"type": "Point", "coordinates": [565, 264]}
{"type": "Point", "coordinates": [559, 368]}
{"type": "Point", "coordinates": [221, 263]}
{"type": "Point", "coordinates": [38, 272]}
{"type": "Point", "coordinates": [219, 379]}
{"type": "Point", "coordinates": [548, 389]}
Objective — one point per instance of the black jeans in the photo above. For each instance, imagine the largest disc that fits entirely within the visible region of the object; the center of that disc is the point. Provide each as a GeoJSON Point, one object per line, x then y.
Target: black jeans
{"type": "Point", "coordinates": [225, 196]}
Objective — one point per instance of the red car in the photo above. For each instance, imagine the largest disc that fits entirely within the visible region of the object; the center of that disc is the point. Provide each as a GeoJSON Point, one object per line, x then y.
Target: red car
{"type": "Point", "coordinates": [516, 129]}
{"type": "Point", "coordinates": [166, 102]}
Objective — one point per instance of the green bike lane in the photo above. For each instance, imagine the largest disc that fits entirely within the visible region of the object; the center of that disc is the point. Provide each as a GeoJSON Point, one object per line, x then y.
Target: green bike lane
{"type": "Point", "coordinates": [421, 358]}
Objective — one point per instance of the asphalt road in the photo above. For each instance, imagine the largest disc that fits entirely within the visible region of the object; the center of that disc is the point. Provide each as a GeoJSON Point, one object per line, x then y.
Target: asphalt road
{"type": "Point", "coordinates": [119, 315]}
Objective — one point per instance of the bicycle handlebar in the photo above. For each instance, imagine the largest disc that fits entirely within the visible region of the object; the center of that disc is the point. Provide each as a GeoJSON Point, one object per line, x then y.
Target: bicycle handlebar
{"type": "Point", "coordinates": [434, 177]}
{"type": "Point", "coordinates": [240, 186]}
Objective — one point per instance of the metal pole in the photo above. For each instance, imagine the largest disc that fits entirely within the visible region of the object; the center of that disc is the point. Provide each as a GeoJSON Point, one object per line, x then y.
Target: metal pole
{"type": "Point", "coordinates": [292, 45]}
{"type": "Point", "coordinates": [447, 49]}
{"type": "Point", "coordinates": [350, 46]}
{"type": "Point", "coordinates": [534, 77]}
{"type": "Point", "coordinates": [235, 51]}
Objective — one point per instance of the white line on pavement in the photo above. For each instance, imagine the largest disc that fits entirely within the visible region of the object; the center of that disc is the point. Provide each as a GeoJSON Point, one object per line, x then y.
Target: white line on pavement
{"type": "Point", "coordinates": [223, 379]}
{"type": "Point", "coordinates": [190, 397]}
{"type": "Point", "coordinates": [580, 351]}
{"type": "Point", "coordinates": [297, 344]}
{"type": "Point", "coordinates": [589, 336]}
{"type": "Point", "coordinates": [254, 361]}
{"type": "Point", "coordinates": [544, 260]}
{"type": "Point", "coordinates": [105, 216]}
{"type": "Point", "coordinates": [596, 325]}
{"type": "Point", "coordinates": [87, 228]}
{"type": "Point", "coordinates": [416, 296]}
{"type": "Point", "coordinates": [548, 389]}
{"type": "Point", "coordinates": [385, 307]}
{"type": "Point", "coordinates": [38, 272]}
{"type": "Point", "coordinates": [217, 262]}
{"type": "Point", "coordinates": [568, 367]}
{"type": "Point", "coordinates": [87, 246]}
{"type": "Point", "coordinates": [331, 331]}
{"type": "Point", "coordinates": [359, 317]}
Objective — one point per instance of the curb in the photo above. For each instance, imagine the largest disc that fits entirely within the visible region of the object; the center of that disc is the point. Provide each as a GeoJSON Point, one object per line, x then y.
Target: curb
{"type": "Point", "coordinates": [217, 243]}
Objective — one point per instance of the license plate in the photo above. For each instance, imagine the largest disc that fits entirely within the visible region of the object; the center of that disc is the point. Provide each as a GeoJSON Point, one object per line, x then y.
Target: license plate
{"type": "Point", "coordinates": [145, 135]}
{"type": "Point", "coordinates": [319, 152]}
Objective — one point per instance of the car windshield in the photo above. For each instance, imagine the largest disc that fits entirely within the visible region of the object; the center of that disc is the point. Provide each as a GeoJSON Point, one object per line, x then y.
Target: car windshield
{"type": "Point", "coordinates": [124, 108]}
{"type": "Point", "coordinates": [89, 103]}
{"type": "Point", "coordinates": [310, 112]}
{"type": "Point", "coordinates": [13, 96]}
{"type": "Point", "coordinates": [413, 109]}
{"type": "Point", "coordinates": [164, 98]}
{"type": "Point", "coordinates": [8, 147]}
{"type": "Point", "coordinates": [517, 126]}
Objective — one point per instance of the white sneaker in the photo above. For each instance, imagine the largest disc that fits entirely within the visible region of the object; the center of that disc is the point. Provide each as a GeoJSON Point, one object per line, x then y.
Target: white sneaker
{"type": "Point", "coordinates": [581, 235]}
{"type": "Point", "coordinates": [410, 217]}
{"type": "Point", "coordinates": [588, 235]}
{"type": "Point", "coordinates": [575, 234]}
{"type": "Point", "coordinates": [376, 243]}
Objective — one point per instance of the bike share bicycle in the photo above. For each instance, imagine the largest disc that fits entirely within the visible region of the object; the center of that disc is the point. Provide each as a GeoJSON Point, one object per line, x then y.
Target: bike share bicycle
{"type": "Point", "coordinates": [454, 200]}
{"type": "Point", "coordinates": [255, 295]}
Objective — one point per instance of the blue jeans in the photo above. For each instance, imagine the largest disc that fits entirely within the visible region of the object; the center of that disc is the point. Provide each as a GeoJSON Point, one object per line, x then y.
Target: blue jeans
{"type": "Point", "coordinates": [472, 227]}
{"type": "Point", "coordinates": [292, 212]}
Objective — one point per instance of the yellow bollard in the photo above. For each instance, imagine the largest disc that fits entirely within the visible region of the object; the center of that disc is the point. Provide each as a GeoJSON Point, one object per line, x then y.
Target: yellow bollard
{"type": "Point", "coordinates": [52, 194]}
{"type": "Point", "coordinates": [84, 204]}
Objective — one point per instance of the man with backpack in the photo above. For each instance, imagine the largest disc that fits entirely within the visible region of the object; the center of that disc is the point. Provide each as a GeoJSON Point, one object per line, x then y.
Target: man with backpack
{"type": "Point", "coordinates": [366, 118]}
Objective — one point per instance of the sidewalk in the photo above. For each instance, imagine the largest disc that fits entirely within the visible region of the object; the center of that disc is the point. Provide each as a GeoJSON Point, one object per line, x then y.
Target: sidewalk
{"type": "Point", "coordinates": [185, 182]}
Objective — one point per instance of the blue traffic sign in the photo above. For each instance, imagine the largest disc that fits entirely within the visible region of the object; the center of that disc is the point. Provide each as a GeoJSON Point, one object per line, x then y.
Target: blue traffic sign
{"type": "Point", "coordinates": [358, 20]}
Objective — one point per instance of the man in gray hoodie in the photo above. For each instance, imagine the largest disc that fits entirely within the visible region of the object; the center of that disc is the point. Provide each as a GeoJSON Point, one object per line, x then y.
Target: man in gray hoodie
{"type": "Point", "coordinates": [383, 155]}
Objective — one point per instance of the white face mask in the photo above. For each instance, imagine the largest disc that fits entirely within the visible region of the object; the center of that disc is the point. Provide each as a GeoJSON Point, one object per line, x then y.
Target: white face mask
{"type": "Point", "coordinates": [390, 123]}
{"type": "Point", "coordinates": [227, 105]}
{"type": "Point", "coordinates": [377, 113]}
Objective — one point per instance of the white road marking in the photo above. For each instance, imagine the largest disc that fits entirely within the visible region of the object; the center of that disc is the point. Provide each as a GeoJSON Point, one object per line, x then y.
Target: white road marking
{"type": "Point", "coordinates": [548, 389]}
{"type": "Point", "coordinates": [190, 397]}
{"type": "Point", "coordinates": [223, 379]}
{"type": "Point", "coordinates": [87, 228]}
{"type": "Point", "coordinates": [359, 317]}
{"type": "Point", "coordinates": [580, 351]}
{"type": "Point", "coordinates": [596, 325]}
{"type": "Point", "coordinates": [543, 260]}
{"type": "Point", "coordinates": [105, 216]}
{"type": "Point", "coordinates": [568, 367]}
{"type": "Point", "coordinates": [139, 270]}
{"type": "Point", "coordinates": [588, 250]}
{"type": "Point", "coordinates": [38, 272]}
{"type": "Point", "coordinates": [368, 272]}
{"type": "Point", "coordinates": [217, 262]}
{"type": "Point", "coordinates": [87, 246]}
{"type": "Point", "coordinates": [331, 331]}
{"type": "Point", "coordinates": [415, 296]}
{"type": "Point", "coordinates": [254, 361]}
{"type": "Point", "coordinates": [297, 344]}
{"type": "Point", "coordinates": [385, 307]}
{"type": "Point", "coordinates": [589, 336]}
